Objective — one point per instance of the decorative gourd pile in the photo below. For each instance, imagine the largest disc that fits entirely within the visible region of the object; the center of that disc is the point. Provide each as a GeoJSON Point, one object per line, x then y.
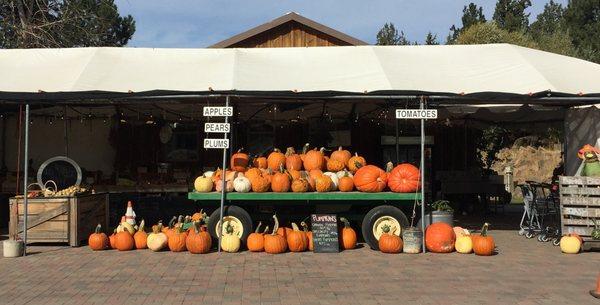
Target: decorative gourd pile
{"type": "Point", "coordinates": [310, 171]}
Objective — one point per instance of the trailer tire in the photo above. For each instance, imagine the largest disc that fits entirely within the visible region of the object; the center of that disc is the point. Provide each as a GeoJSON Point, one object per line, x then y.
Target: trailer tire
{"type": "Point", "coordinates": [374, 216]}
{"type": "Point", "coordinates": [237, 214]}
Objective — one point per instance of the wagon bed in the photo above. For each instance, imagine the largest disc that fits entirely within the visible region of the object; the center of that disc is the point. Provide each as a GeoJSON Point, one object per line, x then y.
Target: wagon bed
{"type": "Point", "coordinates": [311, 196]}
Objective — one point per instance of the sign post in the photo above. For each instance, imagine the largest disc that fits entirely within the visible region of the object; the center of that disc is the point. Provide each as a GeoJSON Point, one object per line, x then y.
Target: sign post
{"type": "Point", "coordinates": [224, 128]}
{"type": "Point", "coordinates": [420, 114]}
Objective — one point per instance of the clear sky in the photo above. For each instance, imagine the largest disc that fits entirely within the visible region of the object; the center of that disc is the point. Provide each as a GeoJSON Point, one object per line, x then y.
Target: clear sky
{"type": "Point", "coordinates": [200, 23]}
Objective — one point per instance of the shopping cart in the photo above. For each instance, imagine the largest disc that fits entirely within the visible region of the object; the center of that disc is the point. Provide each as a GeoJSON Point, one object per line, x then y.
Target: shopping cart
{"type": "Point", "coordinates": [541, 215]}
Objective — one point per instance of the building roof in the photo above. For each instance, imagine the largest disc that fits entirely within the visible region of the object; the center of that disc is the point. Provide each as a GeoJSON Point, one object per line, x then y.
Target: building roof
{"type": "Point", "coordinates": [291, 16]}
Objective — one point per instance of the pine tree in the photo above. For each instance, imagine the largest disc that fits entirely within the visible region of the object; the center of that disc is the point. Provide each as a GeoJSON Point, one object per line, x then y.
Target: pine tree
{"type": "Point", "coordinates": [510, 15]}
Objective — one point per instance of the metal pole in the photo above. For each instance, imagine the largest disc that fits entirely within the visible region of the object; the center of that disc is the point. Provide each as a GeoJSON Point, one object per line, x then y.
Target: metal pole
{"type": "Point", "coordinates": [397, 144]}
{"type": "Point", "coordinates": [423, 174]}
{"type": "Point", "coordinates": [220, 227]}
{"type": "Point", "coordinates": [66, 131]}
{"type": "Point", "coordinates": [25, 177]}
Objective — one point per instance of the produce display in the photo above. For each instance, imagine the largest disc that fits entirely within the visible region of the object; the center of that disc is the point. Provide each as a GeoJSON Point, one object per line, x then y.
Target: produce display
{"type": "Point", "coordinates": [310, 171]}
{"type": "Point", "coordinates": [49, 189]}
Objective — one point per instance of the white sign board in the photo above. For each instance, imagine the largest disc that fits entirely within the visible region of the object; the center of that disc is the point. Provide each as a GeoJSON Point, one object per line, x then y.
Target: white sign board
{"type": "Point", "coordinates": [217, 111]}
{"type": "Point", "coordinates": [216, 127]}
{"type": "Point", "coordinates": [216, 143]}
{"type": "Point", "coordinates": [416, 114]}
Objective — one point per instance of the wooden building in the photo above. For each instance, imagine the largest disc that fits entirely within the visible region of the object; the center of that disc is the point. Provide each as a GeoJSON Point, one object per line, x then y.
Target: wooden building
{"type": "Point", "coordinates": [289, 30]}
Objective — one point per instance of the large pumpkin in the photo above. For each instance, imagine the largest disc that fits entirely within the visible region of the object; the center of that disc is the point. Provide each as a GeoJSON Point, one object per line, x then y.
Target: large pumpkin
{"type": "Point", "coordinates": [440, 238]}
{"type": "Point", "coordinates": [275, 243]}
{"type": "Point", "coordinates": [370, 179]}
{"type": "Point", "coordinates": [256, 240]}
{"type": "Point", "coordinates": [314, 159]}
{"type": "Point", "coordinates": [292, 160]}
{"type": "Point", "coordinates": [198, 240]}
{"type": "Point", "coordinates": [280, 182]}
{"type": "Point", "coordinates": [341, 155]}
{"type": "Point", "coordinates": [483, 244]}
{"type": "Point", "coordinates": [296, 239]}
{"type": "Point", "coordinates": [348, 235]}
{"type": "Point", "coordinates": [239, 161]}
{"type": "Point", "coordinates": [98, 240]}
{"type": "Point", "coordinates": [275, 160]}
{"type": "Point", "coordinates": [404, 178]}
{"type": "Point", "coordinates": [356, 162]}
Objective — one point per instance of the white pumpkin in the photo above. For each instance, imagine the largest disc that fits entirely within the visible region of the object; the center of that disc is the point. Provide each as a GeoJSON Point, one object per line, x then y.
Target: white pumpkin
{"type": "Point", "coordinates": [203, 184]}
{"type": "Point", "coordinates": [334, 179]}
{"type": "Point", "coordinates": [242, 184]}
{"type": "Point", "coordinates": [343, 173]}
{"type": "Point", "coordinates": [156, 240]}
{"type": "Point", "coordinates": [230, 242]}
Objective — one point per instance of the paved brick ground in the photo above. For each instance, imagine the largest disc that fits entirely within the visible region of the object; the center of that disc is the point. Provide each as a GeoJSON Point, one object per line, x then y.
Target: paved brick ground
{"type": "Point", "coordinates": [524, 272]}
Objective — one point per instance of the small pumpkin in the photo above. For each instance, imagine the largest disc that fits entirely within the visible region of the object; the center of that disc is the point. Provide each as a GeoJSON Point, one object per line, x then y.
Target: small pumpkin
{"type": "Point", "coordinates": [323, 184]}
{"type": "Point", "coordinates": [112, 240]}
{"type": "Point", "coordinates": [260, 184]}
{"type": "Point", "coordinates": [198, 240]}
{"type": "Point", "coordinates": [275, 160]}
{"type": "Point", "coordinates": [256, 241]}
{"type": "Point", "coordinates": [463, 244]}
{"type": "Point", "coordinates": [300, 185]}
{"type": "Point", "coordinates": [177, 239]}
{"type": "Point", "coordinates": [335, 181]}
{"type": "Point", "coordinates": [239, 161]}
{"type": "Point", "coordinates": [124, 241]}
{"type": "Point", "coordinates": [242, 184]}
{"type": "Point", "coordinates": [203, 184]}
{"type": "Point", "coordinates": [342, 155]}
{"type": "Point", "coordinates": [346, 183]}
{"type": "Point", "coordinates": [229, 241]}
{"type": "Point", "coordinates": [292, 160]}
{"type": "Point", "coordinates": [295, 174]}
{"type": "Point", "coordinates": [483, 244]}
{"type": "Point", "coordinates": [439, 238]}
{"type": "Point", "coordinates": [570, 244]}
{"type": "Point", "coordinates": [305, 149]}
{"type": "Point", "coordinates": [404, 178]}
{"type": "Point", "coordinates": [344, 173]}
{"type": "Point", "coordinates": [252, 173]}
{"type": "Point", "coordinates": [335, 165]}
{"type": "Point", "coordinates": [389, 242]}
{"type": "Point", "coordinates": [314, 159]}
{"type": "Point", "coordinates": [309, 236]}
{"type": "Point", "coordinates": [348, 235]}
{"type": "Point", "coordinates": [280, 183]}
{"type": "Point", "coordinates": [98, 240]}
{"type": "Point", "coordinates": [296, 239]}
{"type": "Point", "coordinates": [260, 162]}
{"type": "Point", "coordinates": [228, 183]}
{"type": "Point", "coordinates": [157, 240]}
{"type": "Point", "coordinates": [141, 237]}
{"type": "Point", "coordinates": [198, 216]}
{"type": "Point", "coordinates": [356, 162]}
{"type": "Point", "coordinates": [275, 243]}
{"type": "Point", "coordinates": [370, 179]}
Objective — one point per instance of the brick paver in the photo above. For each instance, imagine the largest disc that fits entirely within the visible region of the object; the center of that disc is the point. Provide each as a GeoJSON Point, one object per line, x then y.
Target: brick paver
{"type": "Point", "coordinates": [524, 272]}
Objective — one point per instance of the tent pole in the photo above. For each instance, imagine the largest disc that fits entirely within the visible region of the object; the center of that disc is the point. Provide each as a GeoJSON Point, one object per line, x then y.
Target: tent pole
{"type": "Point", "coordinates": [397, 144]}
{"type": "Point", "coordinates": [25, 178]}
{"type": "Point", "coordinates": [66, 132]}
{"type": "Point", "coordinates": [423, 175]}
{"type": "Point", "coordinates": [223, 186]}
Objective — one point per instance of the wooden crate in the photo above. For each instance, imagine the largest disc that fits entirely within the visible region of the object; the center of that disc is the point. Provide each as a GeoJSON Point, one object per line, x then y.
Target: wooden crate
{"type": "Point", "coordinates": [580, 207]}
{"type": "Point", "coordinates": [65, 219]}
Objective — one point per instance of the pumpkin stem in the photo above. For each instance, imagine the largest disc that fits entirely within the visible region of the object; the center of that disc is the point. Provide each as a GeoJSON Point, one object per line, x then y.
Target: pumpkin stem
{"type": "Point", "coordinates": [229, 228]}
{"type": "Point", "coordinates": [357, 164]}
{"type": "Point", "coordinates": [142, 224]}
{"type": "Point", "coordinates": [276, 150]}
{"type": "Point", "coordinates": [240, 150]}
{"type": "Point", "coordinates": [386, 228]}
{"type": "Point", "coordinates": [345, 221]}
{"type": "Point", "coordinates": [305, 148]}
{"type": "Point", "coordinates": [289, 151]}
{"type": "Point", "coordinates": [389, 166]}
{"type": "Point", "coordinates": [322, 150]}
{"type": "Point", "coordinates": [266, 230]}
{"type": "Point", "coordinates": [98, 229]}
{"type": "Point", "coordinates": [484, 229]}
{"type": "Point", "coordinates": [304, 226]}
{"type": "Point", "coordinates": [276, 225]}
{"type": "Point", "coordinates": [295, 227]}
{"type": "Point", "coordinates": [340, 148]}
{"type": "Point", "coordinates": [172, 222]}
{"type": "Point", "coordinates": [196, 226]}
{"type": "Point", "coordinates": [258, 227]}
{"type": "Point", "coordinates": [281, 169]}
{"type": "Point", "coordinates": [156, 229]}
{"type": "Point", "coordinates": [180, 219]}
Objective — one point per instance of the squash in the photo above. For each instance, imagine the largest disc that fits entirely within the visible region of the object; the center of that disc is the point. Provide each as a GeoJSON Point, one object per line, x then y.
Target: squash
{"type": "Point", "coordinates": [323, 184]}
{"type": "Point", "coordinates": [198, 240]}
{"type": "Point", "coordinates": [459, 231]}
{"type": "Point", "coordinates": [239, 161]}
{"type": "Point", "coordinates": [124, 241]}
{"type": "Point", "coordinates": [570, 244]}
{"type": "Point", "coordinates": [348, 235]}
{"type": "Point", "coordinates": [275, 243]}
{"type": "Point", "coordinates": [275, 160]}
{"type": "Point", "coordinates": [309, 236]}
{"type": "Point", "coordinates": [335, 165]}
{"type": "Point", "coordinates": [177, 239]}
{"type": "Point", "coordinates": [463, 244]}
{"type": "Point", "coordinates": [314, 159]}
{"type": "Point", "coordinates": [483, 244]}
{"type": "Point", "coordinates": [335, 181]}
{"type": "Point", "coordinates": [404, 178]}
{"type": "Point", "coordinates": [341, 155]}
{"type": "Point", "coordinates": [439, 238]}
{"type": "Point", "coordinates": [390, 242]}
{"type": "Point", "coordinates": [346, 183]}
{"type": "Point", "coordinates": [280, 182]}
{"type": "Point", "coordinates": [300, 185]}
{"type": "Point", "coordinates": [315, 173]}
{"type": "Point", "coordinates": [296, 239]}
{"type": "Point", "coordinates": [252, 173]}
{"type": "Point", "coordinates": [141, 237]}
{"type": "Point", "coordinates": [370, 179]}
{"type": "Point", "coordinates": [203, 184]}
{"type": "Point", "coordinates": [229, 241]}
{"type": "Point", "coordinates": [157, 240]}
{"type": "Point", "coordinates": [125, 226]}
{"type": "Point", "coordinates": [242, 184]}
{"type": "Point", "coordinates": [292, 160]}
{"type": "Point", "coordinates": [256, 241]}
{"type": "Point", "coordinates": [260, 184]}
{"type": "Point", "coordinates": [356, 162]}
{"type": "Point", "coordinates": [98, 240]}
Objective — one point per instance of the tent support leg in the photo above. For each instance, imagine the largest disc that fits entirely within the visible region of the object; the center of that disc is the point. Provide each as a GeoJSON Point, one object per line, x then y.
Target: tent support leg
{"type": "Point", "coordinates": [397, 144]}
{"type": "Point", "coordinates": [220, 227]}
{"type": "Point", "coordinates": [25, 178]}
{"type": "Point", "coordinates": [423, 174]}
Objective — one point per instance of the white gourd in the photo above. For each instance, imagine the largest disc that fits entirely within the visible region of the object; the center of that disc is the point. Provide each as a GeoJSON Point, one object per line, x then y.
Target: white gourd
{"type": "Point", "coordinates": [334, 179]}
{"type": "Point", "coordinates": [242, 184]}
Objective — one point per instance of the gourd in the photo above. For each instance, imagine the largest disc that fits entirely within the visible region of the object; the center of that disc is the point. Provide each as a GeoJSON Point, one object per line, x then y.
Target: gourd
{"type": "Point", "coordinates": [252, 173]}
{"type": "Point", "coordinates": [335, 181]}
{"type": "Point", "coordinates": [239, 161]}
{"type": "Point", "coordinates": [356, 162]}
{"type": "Point", "coordinates": [260, 184]}
{"type": "Point", "coordinates": [198, 240]}
{"type": "Point", "coordinates": [203, 184]}
{"type": "Point", "coordinates": [256, 241]}
{"type": "Point", "coordinates": [483, 244]}
{"type": "Point", "coordinates": [323, 183]}
{"type": "Point", "coordinates": [98, 240]}
{"type": "Point", "coordinates": [570, 244]}
{"type": "Point", "coordinates": [390, 242]}
{"type": "Point", "coordinates": [242, 185]}
{"type": "Point", "coordinates": [335, 165]}
{"type": "Point", "coordinates": [404, 178]}
{"type": "Point", "coordinates": [314, 159]}
{"type": "Point", "coordinates": [157, 240]}
{"type": "Point", "coordinates": [439, 238]}
{"type": "Point", "coordinates": [228, 185]}
{"type": "Point", "coordinates": [176, 241]}
{"type": "Point", "coordinates": [315, 173]}
{"type": "Point", "coordinates": [141, 237]}
{"type": "Point", "coordinates": [296, 239]}
{"type": "Point", "coordinates": [370, 179]}
{"type": "Point", "coordinates": [280, 182]}
{"type": "Point", "coordinates": [344, 173]}
{"type": "Point", "coordinates": [275, 243]}
{"type": "Point", "coordinates": [125, 226]}
{"type": "Point", "coordinates": [348, 240]}
{"type": "Point", "coordinates": [342, 155]}
{"type": "Point", "coordinates": [198, 216]}
{"type": "Point", "coordinates": [124, 241]}
{"type": "Point", "coordinates": [275, 160]}
{"type": "Point", "coordinates": [464, 242]}
{"type": "Point", "coordinates": [292, 160]}
{"type": "Point", "coordinates": [229, 241]}
{"type": "Point", "coordinates": [300, 185]}
{"type": "Point", "coordinates": [346, 183]}
{"type": "Point", "coordinates": [308, 235]}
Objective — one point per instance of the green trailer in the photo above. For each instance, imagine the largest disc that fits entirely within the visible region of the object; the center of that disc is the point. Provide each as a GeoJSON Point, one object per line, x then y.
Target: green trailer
{"type": "Point", "coordinates": [370, 211]}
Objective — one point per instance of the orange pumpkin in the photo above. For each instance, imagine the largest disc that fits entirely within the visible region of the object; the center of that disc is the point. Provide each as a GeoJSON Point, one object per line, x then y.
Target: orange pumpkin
{"type": "Point", "coordinates": [275, 160]}
{"type": "Point", "coordinates": [440, 238]}
{"type": "Point", "coordinates": [260, 184]}
{"type": "Point", "coordinates": [335, 165]}
{"type": "Point", "coordinates": [256, 240]}
{"type": "Point", "coordinates": [305, 149]}
{"type": "Point", "coordinates": [252, 173]}
{"type": "Point", "coordinates": [323, 183]}
{"type": "Point", "coordinates": [404, 178]}
{"type": "Point", "coordinates": [275, 243]}
{"type": "Point", "coordinates": [341, 155]}
{"type": "Point", "coordinates": [483, 244]}
{"type": "Point", "coordinates": [198, 241]}
{"type": "Point", "coordinates": [314, 159]}
{"type": "Point", "coordinates": [124, 241]}
{"type": "Point", "coordinates": [309, 236]}
{"type": "Point", "coordinates": [315, 173]}
{"type": "Point", "coordinates": [280, 182]}
{"type": "Point", "coordinates": [346, 183]}
{"type": "Point", "coordinates": [239, 161]}
{"type": "Point", "coordinates": [292, 160]}
{"type": "Point", "coordinates": [356, 162]}
{"type": "Point", "coordinates": [300, 185]}
{"type": "Point", "coordinates": [112, 239]}
{"type": "Point", "coordinates": [260, 162]}
{"type": "Point", "coordinates": [390, 242]}
{"type": "Point", "coordinates": [296, 239]}
{"type": "Point", "coordinates": [370, 179]}
{"type": "Point", "coordinates": [295, 174]}
{"type": "Point", "coordinates": [140, 237]}
{"type": "Point", "coordinates": [98, 240]}
{"type": "Point", "coordinates": [177, 240]}
{"type": "Point", "coordinates": [348, 235]}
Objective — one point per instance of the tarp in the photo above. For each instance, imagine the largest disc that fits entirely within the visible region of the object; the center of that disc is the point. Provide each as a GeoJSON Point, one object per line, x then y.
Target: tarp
{"type": "Point", "coordinates": [582, 126]}
{"type": "Point", "coordinates": [494, 71]}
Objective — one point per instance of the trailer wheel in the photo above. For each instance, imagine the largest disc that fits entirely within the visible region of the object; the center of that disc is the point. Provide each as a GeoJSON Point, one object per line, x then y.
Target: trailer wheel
{"type": "Point", "coordinates": [377, 218]}
{"type": "Point", "coordinates": [239, 219]}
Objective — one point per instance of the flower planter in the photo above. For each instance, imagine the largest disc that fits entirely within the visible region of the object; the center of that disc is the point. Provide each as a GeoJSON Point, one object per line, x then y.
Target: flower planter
{"type": "Point", "coordinates": [438, 216]}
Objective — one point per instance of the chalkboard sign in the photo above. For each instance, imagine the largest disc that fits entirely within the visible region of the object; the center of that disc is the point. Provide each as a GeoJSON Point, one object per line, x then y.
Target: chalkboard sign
{"type": "Point", "coordinates": [325, 233]}
{"type": "Point", "coordinates": [62, 170]}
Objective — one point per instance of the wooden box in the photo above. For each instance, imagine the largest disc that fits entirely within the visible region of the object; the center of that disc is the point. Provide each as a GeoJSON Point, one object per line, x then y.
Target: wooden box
{"type": "Point", "coordinates": [62, 219]}
{"type": "Point", "coordinates": [580, 207]}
